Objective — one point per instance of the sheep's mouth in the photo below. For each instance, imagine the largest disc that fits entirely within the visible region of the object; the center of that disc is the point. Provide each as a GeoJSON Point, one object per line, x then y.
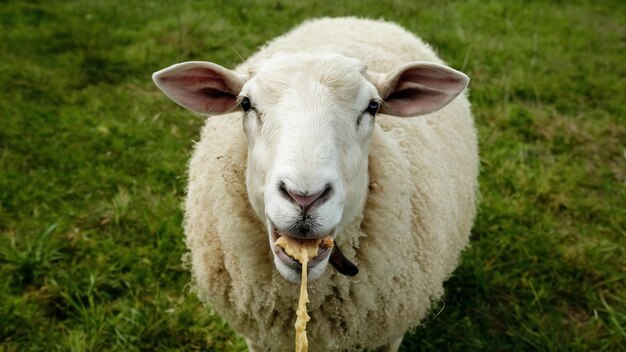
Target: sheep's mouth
{"type": "Point", "coordinates": [323, 252]}
{"type": "Point", "coordinates": [327, 251]}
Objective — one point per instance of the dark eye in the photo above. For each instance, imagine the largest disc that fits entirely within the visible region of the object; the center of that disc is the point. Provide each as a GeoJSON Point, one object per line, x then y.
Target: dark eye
{"type": "Point", "coordinates": [372, 108]}
{"type": "Point", "coordinates": [245, 104]}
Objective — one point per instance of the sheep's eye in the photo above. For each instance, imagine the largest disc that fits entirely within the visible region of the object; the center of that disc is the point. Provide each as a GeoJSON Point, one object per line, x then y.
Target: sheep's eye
{"type": "Point", "coordinates": [373, 107]}
{"type": "Point", "coordinates": [246, 105]}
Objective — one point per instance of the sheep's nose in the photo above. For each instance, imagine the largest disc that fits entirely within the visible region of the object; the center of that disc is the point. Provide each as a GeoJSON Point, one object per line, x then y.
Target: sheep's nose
{"type": "Point", "coordinates": [304, 199]}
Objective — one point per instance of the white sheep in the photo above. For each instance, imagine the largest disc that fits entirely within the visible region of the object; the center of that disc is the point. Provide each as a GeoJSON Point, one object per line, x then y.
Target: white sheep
{"type": "Point", "coordinates": [329, 146]}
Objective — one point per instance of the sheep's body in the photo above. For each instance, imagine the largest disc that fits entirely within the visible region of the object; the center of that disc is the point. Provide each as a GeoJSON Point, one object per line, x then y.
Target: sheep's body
{"type": "Point", "coordinates": [417, 219]}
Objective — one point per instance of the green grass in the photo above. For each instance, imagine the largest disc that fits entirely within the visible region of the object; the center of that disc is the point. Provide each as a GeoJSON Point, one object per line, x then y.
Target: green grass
{"type": "Point", "coordinates": [92, 170]}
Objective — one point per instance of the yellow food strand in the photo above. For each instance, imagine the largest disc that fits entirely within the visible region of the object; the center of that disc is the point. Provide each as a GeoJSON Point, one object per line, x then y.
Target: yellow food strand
{"type": "Point", "coordinates": [302, 252]}
{"type": "Point", "coordinates": [302, 343]}
{"type": "Point", "coordinates": [294, 249]}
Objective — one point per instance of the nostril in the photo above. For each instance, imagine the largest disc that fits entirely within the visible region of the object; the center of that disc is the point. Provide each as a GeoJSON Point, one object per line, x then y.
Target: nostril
{"type": "Point", "coordinates": [283, 190]}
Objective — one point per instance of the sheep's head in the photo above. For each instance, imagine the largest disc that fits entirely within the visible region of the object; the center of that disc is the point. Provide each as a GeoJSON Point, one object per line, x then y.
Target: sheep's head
{"type": "Point", "coordinates": [309, 119]}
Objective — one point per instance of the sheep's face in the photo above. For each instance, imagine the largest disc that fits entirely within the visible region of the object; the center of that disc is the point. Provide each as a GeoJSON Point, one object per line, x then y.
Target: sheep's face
{"type": "Point", "coordinates": [309, 120]}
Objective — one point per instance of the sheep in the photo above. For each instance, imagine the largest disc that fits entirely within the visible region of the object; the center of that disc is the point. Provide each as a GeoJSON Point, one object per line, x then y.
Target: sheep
{"type": "Point", "coordinates": [354, 129]}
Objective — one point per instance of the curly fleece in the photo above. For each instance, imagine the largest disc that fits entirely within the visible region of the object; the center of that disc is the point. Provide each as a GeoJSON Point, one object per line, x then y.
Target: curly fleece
{"type": "Point", "coordinates": [416, 221]}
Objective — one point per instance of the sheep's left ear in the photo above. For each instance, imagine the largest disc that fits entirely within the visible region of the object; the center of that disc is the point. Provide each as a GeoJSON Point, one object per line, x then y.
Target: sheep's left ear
{"type": "Point", "coordinates": [418, 88]}
{"type": "Point", "coordinates": [200, 86]}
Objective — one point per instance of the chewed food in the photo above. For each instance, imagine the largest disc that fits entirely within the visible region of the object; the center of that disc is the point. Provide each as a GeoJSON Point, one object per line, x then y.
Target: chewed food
{"type": "Point", "coordinates": [302, 251]}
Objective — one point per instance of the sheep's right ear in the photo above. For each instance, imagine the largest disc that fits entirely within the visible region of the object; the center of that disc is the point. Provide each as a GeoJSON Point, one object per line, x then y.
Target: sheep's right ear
{"type": "Point", "coordinates": [200, 86]}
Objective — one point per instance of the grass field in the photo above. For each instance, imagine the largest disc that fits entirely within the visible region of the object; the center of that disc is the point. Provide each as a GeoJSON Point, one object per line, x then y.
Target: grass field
{"type": "Point", "coordinates": [92, 170]}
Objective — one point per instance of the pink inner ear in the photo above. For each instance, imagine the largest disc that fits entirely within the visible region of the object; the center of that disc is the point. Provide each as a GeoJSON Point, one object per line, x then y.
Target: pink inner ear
{"type": "Point", "coordinates": [415, 99]}
{"type": "Point", "coordinates": [424, 89]}
{"type": "Point", "coordinates": [203, 89]}
{"type": "Point", "coordinates": [433, 78]}
{"type": "Point", "coordinates": [196, 78]}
